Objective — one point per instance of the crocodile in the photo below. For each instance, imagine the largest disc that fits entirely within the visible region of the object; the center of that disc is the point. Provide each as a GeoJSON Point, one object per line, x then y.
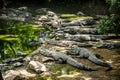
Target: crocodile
{"type": "Point", "coordinates": [78, 29]}
{"type": "Point", "coordinates": [85, 53]}
{"type": "Point", "coordinates": [83, 37]}
{"type": "Point", "coordinates": [65, 43]}
{"type": "Point", "coordinates": [111, 45]}
{"type": "Point", "coordinates": [80, 22]}
{"type": "Point", "coordinates": [61, 57]}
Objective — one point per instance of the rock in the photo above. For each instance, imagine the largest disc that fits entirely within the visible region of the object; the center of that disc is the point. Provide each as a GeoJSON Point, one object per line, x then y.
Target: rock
{"type": "Point", "coordinates": [24, 8]}
{"type": "Point", "coordinates": [37, 66]}
{"type": "Point", "coordinates": [42, 11]}
{"type": "Point", "coordinates": [14, 75]}
{"type": "Point", "coordinates": [43, 18]}
{"type": "Point", "coordinates": [50, 14]}
{"type": "Point", "coordinates": [16, 15]}
{"type": "Point", "coordinates": [80, 13]}
{"type": "Point", "coordinates": [3, 16]}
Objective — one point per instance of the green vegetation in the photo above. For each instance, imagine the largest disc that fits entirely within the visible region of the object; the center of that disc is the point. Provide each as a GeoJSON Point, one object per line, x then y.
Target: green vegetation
{"type": "Point", "coordinates": [111, 24]}
{"type": "Point", "coordinates": [16, 36]}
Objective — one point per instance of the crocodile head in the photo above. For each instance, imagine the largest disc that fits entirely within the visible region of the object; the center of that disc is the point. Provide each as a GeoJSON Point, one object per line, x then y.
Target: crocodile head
{"type": "Point", "coordinates": [73, 50]}
{"type": "Point", "coordinates": [45, 52]}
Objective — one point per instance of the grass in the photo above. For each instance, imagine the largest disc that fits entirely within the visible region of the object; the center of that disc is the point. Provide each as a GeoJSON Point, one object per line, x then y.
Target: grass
{"type": "Point", "coordinates": [7, 37]}
{"type": "Point", "coordinates": [15, 36]}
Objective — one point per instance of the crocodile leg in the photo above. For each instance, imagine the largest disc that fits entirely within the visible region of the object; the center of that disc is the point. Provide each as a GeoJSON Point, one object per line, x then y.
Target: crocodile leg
{"type": "Point", "coordinates": [63, 58]}
{"type": "Point", "coordinates": [79, 65]}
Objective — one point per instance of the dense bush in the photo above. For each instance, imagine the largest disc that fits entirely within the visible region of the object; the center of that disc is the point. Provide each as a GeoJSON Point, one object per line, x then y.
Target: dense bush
{"type": "Point", "coordinates": [17, 36]}
{"type": "Point", "coordinates": [112, 23]}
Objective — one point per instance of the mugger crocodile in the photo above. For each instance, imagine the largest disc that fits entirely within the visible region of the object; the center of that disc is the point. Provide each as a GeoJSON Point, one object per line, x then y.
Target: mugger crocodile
{"type": "Point", "coordinates": [61, 57]}
{"type": "Point", "coordinates": [85, 53]}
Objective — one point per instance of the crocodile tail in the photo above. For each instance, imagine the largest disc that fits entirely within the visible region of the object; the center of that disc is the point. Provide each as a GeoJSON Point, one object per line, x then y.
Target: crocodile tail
{"type": "Point", "coordinates": [90, 69]}
{"type": "Point", "coordinates": [100, 62]}
{"type": "Point", "coordinates": [79, 65]}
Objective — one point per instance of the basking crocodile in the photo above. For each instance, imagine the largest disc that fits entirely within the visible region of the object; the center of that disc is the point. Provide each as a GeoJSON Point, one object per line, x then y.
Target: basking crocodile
{"type": "Point", "coordinates": [110, 45]}
{"type": "Point", "coordinates": [80, 22]}
{"type": "Point", "coordinates": [84, 37]}
{"type": "Point", "coordinates": [63, 58]}
{"type": "Point", "coordinates": [78, 29]}
{"type": "Point", "coordinates": [85, 53]}
{"type": "Point", "coordinates": [65, 43]}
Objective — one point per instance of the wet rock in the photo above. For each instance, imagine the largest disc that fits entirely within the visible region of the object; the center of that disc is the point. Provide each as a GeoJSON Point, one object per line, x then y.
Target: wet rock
{"type": "Point", "coordinates": [37, 66]}
{"type": "Point", "coordinates": [80, 13]}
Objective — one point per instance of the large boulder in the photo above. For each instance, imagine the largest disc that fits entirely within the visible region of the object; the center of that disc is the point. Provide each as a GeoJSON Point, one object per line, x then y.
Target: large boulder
{"type": "Point", "coordinates": [14, 75]}
{"type": "Point", "coordinates": [37, 66]}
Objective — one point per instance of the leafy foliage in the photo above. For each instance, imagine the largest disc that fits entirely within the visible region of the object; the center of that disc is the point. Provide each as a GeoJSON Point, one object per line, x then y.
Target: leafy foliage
{"type": "Point", "coordinates": [23, 34]}
{"type": "Point", "coordinates": [108, 25]}
{"type": "Point", "coordinates": [111, 24]}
